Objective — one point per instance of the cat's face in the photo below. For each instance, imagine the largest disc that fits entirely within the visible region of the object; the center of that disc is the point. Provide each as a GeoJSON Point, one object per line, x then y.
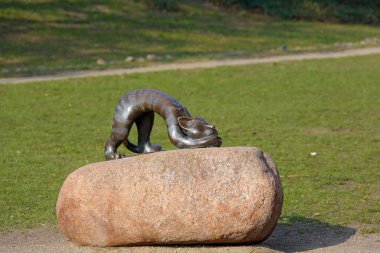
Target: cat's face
{"type": "Point", "coordinates": [197, 127]}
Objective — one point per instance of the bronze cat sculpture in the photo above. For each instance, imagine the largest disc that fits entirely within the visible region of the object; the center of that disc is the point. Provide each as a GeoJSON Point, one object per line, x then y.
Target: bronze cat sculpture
{"type": "Point", "coordinates": [139, 106]}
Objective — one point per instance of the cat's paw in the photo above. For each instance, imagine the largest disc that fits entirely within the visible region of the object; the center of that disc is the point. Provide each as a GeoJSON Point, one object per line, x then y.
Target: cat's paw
{"type": "Point", "coordinates": [152, 148]}
{"type": "Point", "coordinates": [120, 156]}
{"type": "Point", "coordinates": [115, 156]}
{"type": "Point", "coordinates": [215, 141]}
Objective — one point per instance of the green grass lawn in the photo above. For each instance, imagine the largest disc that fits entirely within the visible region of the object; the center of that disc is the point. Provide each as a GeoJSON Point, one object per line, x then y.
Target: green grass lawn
{"type": "Point", "coordinates": [331, 107]}
{"type": "Point", "coordinates": [41, 37]}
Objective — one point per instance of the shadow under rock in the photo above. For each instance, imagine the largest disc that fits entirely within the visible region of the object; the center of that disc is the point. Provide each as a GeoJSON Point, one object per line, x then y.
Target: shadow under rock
{"type": "Point", "coordinates": [298, 234]}
{"type": "Point", "coordinates": [302, 234]}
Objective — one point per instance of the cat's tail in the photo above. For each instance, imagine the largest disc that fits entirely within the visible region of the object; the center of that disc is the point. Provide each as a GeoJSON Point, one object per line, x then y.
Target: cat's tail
{"type": "Point", "coordinates": [132, 147]}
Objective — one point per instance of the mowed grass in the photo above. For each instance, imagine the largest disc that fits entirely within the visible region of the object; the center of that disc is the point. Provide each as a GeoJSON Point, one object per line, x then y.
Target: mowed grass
{"type": "Point", "coordinates": [330, 107]}
{"type": "Point", "coordinates": [43, 37]}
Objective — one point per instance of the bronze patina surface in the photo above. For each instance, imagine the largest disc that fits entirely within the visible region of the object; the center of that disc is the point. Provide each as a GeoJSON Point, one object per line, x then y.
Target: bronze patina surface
{"type": "Point", "coordinates": [139, 106]}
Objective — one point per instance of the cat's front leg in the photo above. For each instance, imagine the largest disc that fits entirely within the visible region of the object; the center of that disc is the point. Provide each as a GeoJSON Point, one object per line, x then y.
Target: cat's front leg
{"type": "Point", "coordinates": [144, 125]}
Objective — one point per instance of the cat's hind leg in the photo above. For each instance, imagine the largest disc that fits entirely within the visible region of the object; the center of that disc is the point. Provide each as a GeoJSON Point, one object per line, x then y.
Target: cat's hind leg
{"type": "Point", "coordinates": [120, 132]}
{"type": "Point", "coordinates": [144, 125]}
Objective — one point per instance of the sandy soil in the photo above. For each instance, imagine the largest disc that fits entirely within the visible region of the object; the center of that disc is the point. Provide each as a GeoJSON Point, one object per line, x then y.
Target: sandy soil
{"type": "Point", "coordinates": [195, 65]}
{"type": "Point", "coordinates": [298, 237]}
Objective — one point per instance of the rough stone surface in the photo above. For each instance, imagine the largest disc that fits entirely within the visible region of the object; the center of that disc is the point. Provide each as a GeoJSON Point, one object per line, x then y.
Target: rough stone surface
{"type": "Point", "coordinates": [212, 195]}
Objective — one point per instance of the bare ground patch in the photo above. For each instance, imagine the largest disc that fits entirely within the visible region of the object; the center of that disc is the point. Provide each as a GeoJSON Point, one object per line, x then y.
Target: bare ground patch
{"type": "Point", "coordinates": [196, 65]}
{"type": "Point", "coordinates": [295, 237]}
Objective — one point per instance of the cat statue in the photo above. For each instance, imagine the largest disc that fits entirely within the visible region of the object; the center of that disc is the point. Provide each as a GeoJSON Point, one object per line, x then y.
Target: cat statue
{"type": "Point", "coordinates": [139, 106]}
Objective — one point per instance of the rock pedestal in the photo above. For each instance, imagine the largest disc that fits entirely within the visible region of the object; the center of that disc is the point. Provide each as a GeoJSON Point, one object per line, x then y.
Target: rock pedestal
{"type": "Point", "coordinates": [190, 196]}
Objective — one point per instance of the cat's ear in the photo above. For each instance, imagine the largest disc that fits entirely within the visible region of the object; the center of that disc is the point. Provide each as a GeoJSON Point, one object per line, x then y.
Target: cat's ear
{"type": "Point", "coordinates": [185, 122]}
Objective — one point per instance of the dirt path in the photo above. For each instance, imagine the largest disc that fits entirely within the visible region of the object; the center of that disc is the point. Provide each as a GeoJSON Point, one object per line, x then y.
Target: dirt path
{"type": "Point", "coordinates": [298, 237]}
{"type": "Point", "coordinates": [204, 64]}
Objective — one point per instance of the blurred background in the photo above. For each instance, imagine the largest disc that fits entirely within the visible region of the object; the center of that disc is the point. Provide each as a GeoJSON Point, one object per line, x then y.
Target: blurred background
{"type": "Point", "coordinates": [39, 37]}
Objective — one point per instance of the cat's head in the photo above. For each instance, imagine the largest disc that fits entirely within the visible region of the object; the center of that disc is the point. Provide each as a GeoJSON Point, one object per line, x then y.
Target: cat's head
{"type": "Point", "coordinates": [196, 127]}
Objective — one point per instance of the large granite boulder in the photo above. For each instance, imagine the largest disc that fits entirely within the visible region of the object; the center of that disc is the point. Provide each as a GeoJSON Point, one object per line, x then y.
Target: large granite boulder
{"type": "Point", "coordinates": [191, 196]}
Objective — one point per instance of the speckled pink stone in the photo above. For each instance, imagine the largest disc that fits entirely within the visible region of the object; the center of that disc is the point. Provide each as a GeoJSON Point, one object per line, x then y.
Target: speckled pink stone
{"type": "Point", "coordinates": [210, 195]}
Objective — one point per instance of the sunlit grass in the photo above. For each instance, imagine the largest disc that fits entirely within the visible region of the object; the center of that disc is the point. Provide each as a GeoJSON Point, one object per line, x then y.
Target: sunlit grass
{"type": "Point", "coordinates": [330, 107]}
